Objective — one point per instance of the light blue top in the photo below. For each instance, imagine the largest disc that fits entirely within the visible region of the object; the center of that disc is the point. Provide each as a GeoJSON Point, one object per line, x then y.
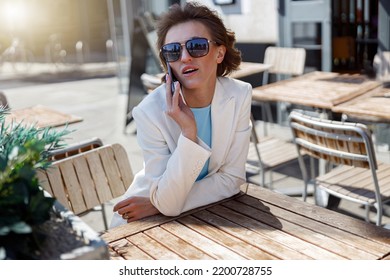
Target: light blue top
{"type": "Point", "coordinates": [203, 124]}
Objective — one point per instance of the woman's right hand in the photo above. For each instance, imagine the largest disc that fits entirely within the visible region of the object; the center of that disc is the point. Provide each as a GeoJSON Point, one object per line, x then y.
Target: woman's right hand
{"type": "Point", "coordinates": [179, 111]}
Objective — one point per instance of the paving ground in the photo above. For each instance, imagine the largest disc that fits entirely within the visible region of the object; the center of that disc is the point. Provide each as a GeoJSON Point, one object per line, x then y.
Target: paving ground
{"type": "Point", "coordinates": [103, 108]}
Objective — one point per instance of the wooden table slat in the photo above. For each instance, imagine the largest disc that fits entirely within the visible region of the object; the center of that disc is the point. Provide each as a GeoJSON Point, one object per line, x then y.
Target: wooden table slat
{"type": "Point", "coordinates": [177, 245]}
{"type": "Point", "coordinates": [153, 248]}
{"type": "Point", "coordinates": [122, 231]}
{"type": "Point", "coordinates": [123, 249]}
{"type": "Point", "coordinates": [208, 246]}
{"type": "Point", "coordinates": [239, 246]}
{"type": "Point", "coordinates": [300, 227]}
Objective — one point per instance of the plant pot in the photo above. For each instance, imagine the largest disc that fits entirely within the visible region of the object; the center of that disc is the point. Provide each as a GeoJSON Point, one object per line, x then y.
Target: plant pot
{"type": "Point", "coordinates": [69, 238]}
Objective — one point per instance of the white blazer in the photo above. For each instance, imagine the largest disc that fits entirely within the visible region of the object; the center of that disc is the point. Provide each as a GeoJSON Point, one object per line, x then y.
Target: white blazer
{"type": "Point", "coordinates": [172, 162]}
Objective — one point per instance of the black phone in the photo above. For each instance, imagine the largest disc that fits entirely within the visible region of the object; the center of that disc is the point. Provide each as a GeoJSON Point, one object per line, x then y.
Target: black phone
{"type": "Point", "coordinates": [173, 78]}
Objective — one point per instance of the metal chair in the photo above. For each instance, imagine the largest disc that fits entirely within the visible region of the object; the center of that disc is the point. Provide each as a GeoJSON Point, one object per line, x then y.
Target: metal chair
{"type": "Point", "coordinates": [75, 149]}
{"type": "Point", "coordinates": [348, 148]}
{"type": "Point", "coordinates": [89, 179]}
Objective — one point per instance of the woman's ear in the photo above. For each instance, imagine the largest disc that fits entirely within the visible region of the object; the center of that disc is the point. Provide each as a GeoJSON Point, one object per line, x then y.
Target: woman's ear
{"type": "Point", "coordinates": [221, 54]}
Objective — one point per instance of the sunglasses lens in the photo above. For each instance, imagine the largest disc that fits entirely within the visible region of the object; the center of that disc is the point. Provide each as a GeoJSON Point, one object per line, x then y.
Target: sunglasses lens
{"type": "Point", "coordinates": [198, 47]}
{"type": "Point", "coordinates": [171, 52]}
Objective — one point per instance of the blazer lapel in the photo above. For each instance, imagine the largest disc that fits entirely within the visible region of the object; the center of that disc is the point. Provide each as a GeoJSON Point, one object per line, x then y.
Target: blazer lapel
{"type": "Point", "coordinates": [222, 115]}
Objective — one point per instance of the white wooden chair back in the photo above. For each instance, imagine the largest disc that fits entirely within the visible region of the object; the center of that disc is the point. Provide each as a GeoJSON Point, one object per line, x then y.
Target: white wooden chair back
{"type": "Point", "coordinates": [285, 61]}
{"type": "Point", "coordinates": [89, 179]}
{"type": "Point", "coordinates": [381, 65]}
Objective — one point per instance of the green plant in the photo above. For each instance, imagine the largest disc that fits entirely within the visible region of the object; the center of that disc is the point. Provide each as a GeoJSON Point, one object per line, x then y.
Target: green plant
{"type": "Point", "coordinates": [23, 204]}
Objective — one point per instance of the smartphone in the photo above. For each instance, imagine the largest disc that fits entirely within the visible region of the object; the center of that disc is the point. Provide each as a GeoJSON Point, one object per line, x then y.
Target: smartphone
{"type": "Point", "coordinates": [173, 78]}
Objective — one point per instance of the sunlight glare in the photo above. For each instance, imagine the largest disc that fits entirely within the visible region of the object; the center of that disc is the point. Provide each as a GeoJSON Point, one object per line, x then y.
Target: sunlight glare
{"type": "Point", "coordinates": [14, 13]}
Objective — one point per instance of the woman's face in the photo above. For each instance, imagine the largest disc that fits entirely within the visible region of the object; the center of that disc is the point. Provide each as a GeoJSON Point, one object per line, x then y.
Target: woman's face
{"type": "Point", "coordinates": [194, 73]}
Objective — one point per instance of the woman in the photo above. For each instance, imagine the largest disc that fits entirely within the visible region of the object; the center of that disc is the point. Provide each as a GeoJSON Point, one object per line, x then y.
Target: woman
{"type": "Point", "coordinates": [195, 141]}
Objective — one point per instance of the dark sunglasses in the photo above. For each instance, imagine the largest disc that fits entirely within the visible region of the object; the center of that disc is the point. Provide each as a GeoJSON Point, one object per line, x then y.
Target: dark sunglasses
{"type": "Point", "coordinates": [196, 47]}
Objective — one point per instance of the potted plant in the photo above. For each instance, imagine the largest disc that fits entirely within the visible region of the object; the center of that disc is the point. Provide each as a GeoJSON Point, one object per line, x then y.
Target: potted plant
{"type": "Point", "coordinates": [30, 220]}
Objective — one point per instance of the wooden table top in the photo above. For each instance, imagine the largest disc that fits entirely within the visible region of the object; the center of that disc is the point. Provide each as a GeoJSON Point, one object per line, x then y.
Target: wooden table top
{"type": "Point", "coordinates": [373, 106]}
{"type": "Point", "coordinates": [316, 89]}
{"type": "Point", "coordinates": [41, 116]}
{"type": "Point", "coordinates": [260, 224]}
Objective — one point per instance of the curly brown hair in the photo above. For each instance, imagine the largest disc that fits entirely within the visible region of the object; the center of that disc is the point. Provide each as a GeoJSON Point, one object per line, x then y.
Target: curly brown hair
{"type": "Point", "coordinates": [193, 11]}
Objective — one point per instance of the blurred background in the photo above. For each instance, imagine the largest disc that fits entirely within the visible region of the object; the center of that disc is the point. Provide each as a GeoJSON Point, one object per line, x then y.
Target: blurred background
{"type": "Point", "coordinates": [338, 35]}
{"type": "Point", "coordinates": [45, 41]}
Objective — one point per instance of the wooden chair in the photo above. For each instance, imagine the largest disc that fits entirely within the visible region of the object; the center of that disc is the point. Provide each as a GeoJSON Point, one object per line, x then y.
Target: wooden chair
{"type": "Point", "coordinates": [88, 179]}
{"type": "Point", "coordinates": [381, 65]}
{"type": "Point", "coordinates": [356, 176]}
{"type": "Point", "coordinates": [286, 63]}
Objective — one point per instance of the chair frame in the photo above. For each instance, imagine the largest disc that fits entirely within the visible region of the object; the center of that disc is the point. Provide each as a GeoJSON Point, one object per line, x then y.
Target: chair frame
{"type": "Point", "coordinates": [348, 146]}
{"type": "Point", "coordinates": [74, 149]}
{"type": "Point", "coordinates": [271, 153]}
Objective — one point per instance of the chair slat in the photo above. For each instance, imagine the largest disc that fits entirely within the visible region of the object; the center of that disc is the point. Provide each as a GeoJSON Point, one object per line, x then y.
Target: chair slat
{"type": "Point", "coordinates": [56, 185]}
{"type": "Point", "coordinates": [86, 182]}
{"type": "Point", "coordinates": [73, 187]}
{"type": "Point", "coordinates": [99, 176]}
{"type": "Point", "coordinates": [123, 165]}
{"type": "Point", "coordinates": [112, 172]}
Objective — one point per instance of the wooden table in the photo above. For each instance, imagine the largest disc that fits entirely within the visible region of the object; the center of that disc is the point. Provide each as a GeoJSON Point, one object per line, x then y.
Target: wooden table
{"type": "Point", "coordinates": [372, 107]}
{"type": "Point", "coordinates": [260, 224]}
{"type": "Point", "coordinates": [41, 116]}
{"type": "Point", "coordinates": [316, 89]}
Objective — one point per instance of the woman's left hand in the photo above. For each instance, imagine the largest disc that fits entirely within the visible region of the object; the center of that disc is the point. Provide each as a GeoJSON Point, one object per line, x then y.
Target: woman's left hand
{"type": "Point", "coordinates": [135, 208]}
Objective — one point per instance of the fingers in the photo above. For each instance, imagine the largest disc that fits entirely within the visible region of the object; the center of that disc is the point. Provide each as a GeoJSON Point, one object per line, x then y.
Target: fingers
{"type": "Point", "coordinates": [168, 89]}
{"type": "Point", "coordinates": [135, 208]}
{"type": "Point", "coordinates": [118, 207]}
